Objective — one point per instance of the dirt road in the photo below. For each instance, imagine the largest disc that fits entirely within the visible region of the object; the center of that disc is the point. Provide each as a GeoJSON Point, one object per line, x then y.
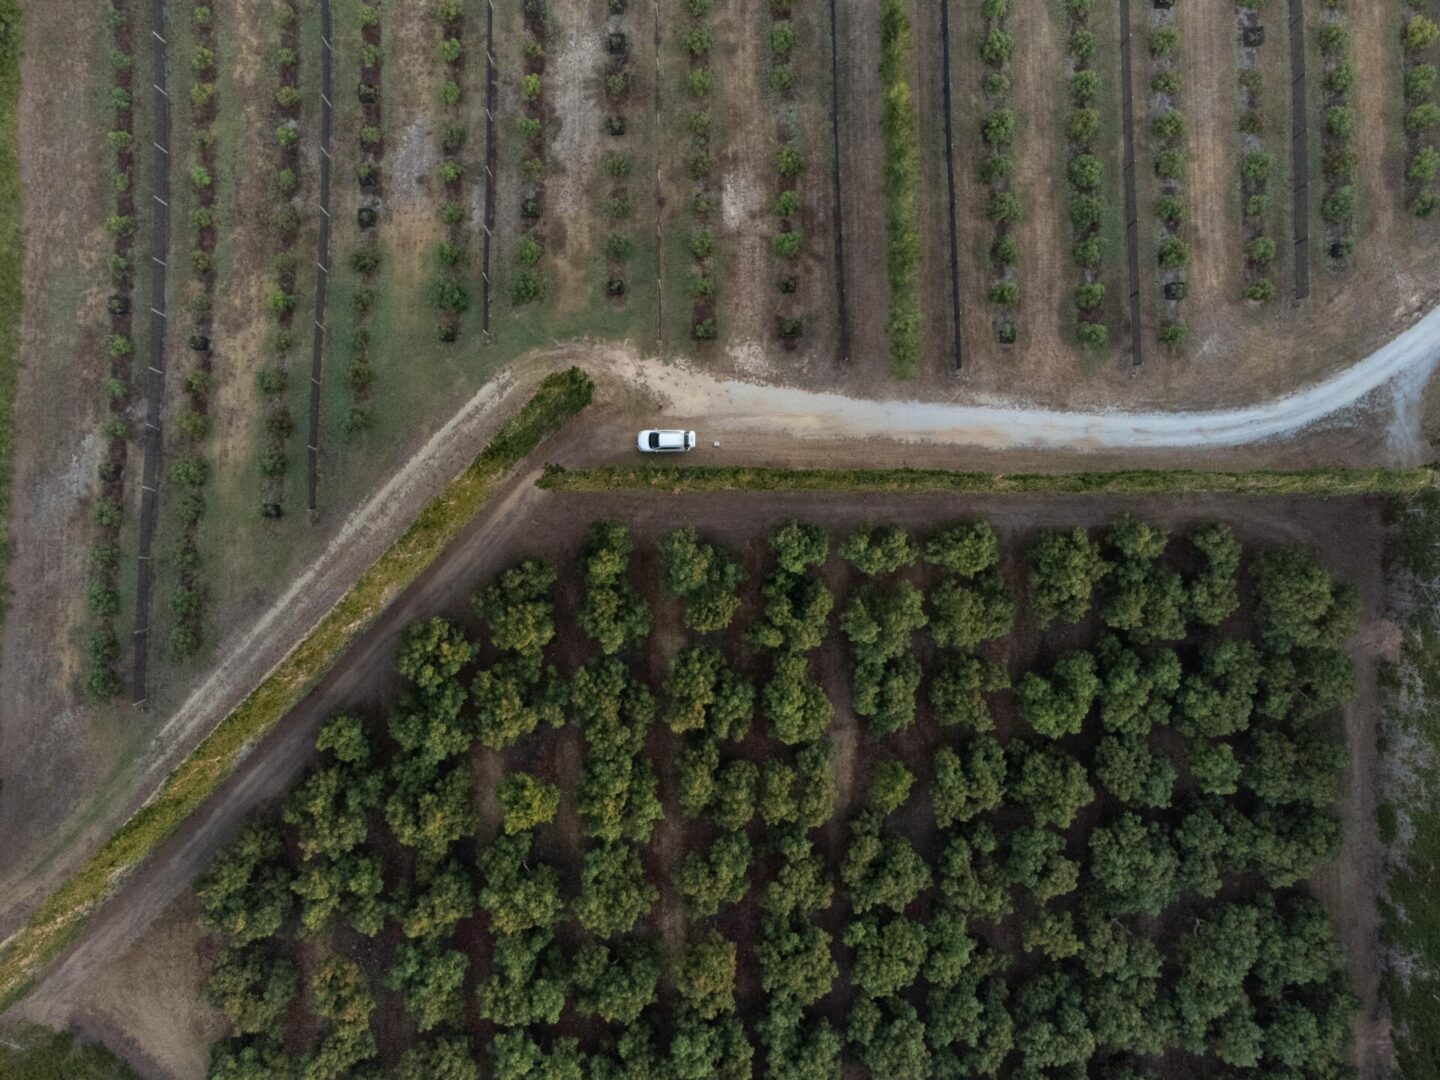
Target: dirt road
{"type": "Point", "coordinates": [1401, 367]}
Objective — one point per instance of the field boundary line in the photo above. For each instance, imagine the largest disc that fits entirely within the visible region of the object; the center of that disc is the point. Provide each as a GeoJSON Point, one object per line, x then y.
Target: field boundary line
{"type": "Point", "coordinates": [58, 921]}
{"type": "Point", "coordinates": [322, 252]}
{"type": "Point", "coordinates": [677, 480]}
{"type": "Point", "coordinates": [1132, 201]}
{"type": "Point", "coordinates": [155, 375]}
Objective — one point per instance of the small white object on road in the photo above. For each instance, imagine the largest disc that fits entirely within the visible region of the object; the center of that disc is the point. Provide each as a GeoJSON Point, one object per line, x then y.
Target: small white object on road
{"type": "Point", "coordinates": [716, 444]}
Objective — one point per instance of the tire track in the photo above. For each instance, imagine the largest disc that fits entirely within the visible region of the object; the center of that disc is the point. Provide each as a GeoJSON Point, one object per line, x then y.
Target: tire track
{"type": "Point", "coordinates": [322, 255]}
{"type": "Point", "coordinates": [155, 375]}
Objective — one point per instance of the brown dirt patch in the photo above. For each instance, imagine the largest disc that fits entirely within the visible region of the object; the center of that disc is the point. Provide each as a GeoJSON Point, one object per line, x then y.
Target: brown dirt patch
{"type": "Point", "coordinates": [48, 752]}
{"type": "Point", "coordinates": [148, 1006]}
{"type": "Point", "coordinates": [1210, 105]}
{"type": "Point", "coordinates": [748, 144]}
{"type": "Point", "coordinates": [862, 152]}
{"type": "Point", "coordinates": [937, 317]}
{"type": "Point", "coordinates": [576, 52]}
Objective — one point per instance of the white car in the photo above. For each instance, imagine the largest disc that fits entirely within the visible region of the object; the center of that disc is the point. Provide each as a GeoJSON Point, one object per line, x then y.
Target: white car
{"type": "Point", "coordinates": [660, 442]}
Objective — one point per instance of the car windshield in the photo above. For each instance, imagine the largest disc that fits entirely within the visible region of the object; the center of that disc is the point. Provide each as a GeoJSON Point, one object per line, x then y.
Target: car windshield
{"type": "Point", "coordinates": [654, 440]}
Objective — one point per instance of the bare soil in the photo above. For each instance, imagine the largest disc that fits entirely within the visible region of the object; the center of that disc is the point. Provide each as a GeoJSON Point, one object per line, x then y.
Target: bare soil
{"type": "Point", "coordinates": [862, 154]}
{"type": "Point", "coordinates": [49, 751]}
{"type": "Point", "coordinates": [937, 334]}
{"type": "Point", "coordinates": [574, 67]}
{"type": "Point", "coordinates": [1210, 104]}
{"type": "Point", "coordinates": [526, 522]}
{"type": "Point", "coordinates": [748, 143]}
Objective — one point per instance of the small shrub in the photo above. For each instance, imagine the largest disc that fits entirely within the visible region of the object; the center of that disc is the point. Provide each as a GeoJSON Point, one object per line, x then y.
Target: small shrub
{"type": "Point", "coordinates": [1172, 253]}
{"type": "Point", "coordinates": [1260, 251]}
{"type": "Point", "coordinates": [787, 244]}
{"type": "Point", "coordinates": [1164, 41]}
{"type": "Point", "coordinates": [1260, 290]}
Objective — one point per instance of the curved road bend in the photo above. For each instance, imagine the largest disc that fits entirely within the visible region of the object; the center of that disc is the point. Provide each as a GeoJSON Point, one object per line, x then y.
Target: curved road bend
{"type": "Point", "coordinates": [1407, 361]}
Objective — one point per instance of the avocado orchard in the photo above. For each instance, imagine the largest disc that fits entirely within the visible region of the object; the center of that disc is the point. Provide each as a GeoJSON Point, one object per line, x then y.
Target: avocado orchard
{"type": "Point", "coordinates": [1069, 864]}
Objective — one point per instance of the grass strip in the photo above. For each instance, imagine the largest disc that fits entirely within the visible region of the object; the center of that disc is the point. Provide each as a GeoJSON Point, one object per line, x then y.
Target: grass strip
{"type": "Point", "coordinates": [62, 916]}
{"type": "Point", "coordinates": [1409, 815]}
{"type": "Point", "coordinates": [677, 480]}
{"type": "Point", "coordinates": [11, 249]}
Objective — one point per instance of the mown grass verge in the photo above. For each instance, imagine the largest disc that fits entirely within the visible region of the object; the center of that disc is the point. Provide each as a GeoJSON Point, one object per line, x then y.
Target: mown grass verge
{"type": "Point", "coordinates": [11, 248]}
{"type": "Point", "coordinates": [61, 917]}
{"type": "Point", "coordinates": [680, 480]}
{"type": "Point", "coordinates": [1409, 810]}
{"type": "Point", "coordinates": [41, 1054]}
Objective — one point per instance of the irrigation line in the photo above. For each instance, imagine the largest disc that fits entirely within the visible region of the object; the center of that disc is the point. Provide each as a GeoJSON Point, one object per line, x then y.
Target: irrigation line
{"type": "Point", "coordinates": [1300, 149]}
{"type": "Point", "coordinates": [1132, 213]}
{"type": "Point", "coordinates": [155, 376]}
{"type": "Point", "coordinates": [322, 256]}
{"type": "Point", "coordinates": [835, 169]}
{"type": "Point", "coordinates": [950, 181]}
{"type": "Point", "coordinates": [492, 166]}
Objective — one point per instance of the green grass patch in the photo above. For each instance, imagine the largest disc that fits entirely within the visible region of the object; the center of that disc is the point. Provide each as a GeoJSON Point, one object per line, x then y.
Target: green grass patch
{"type": "Point", "coordinates": [11, 248]}
{"type": "Point", "coordinates": [681, 479]}
{"type": "Point", "coordinates": [1409, 818]}
{"type": "Point", "coordinates": [62, 916]}
{"type": "Point", "coordinates": [40, 1054]}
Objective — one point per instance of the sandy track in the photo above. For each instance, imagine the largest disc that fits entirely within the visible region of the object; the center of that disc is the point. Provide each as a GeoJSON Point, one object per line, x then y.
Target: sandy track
{"type": "Point", "coordinates": [1403, 366]}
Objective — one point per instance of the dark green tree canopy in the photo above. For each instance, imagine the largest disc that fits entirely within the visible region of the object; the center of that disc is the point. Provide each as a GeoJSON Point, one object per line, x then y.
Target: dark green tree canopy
{"type": "Point", "coordinates": [967, 549]}
{"type": "Point", "coordinates": [878, 549]}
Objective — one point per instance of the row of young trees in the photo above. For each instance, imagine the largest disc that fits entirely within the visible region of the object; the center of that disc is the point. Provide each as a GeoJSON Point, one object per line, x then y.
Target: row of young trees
{"type": "Point", "coordinates": [1257, 165]}
{"type": "Point", "coordinates": [997, 132]}
{"type": "Point", "coordinates": [1422, 108]}
{"type": "Point", "coordinates": [189, 471]}
{"type": "Point", "coordinates": [1086, 174]}
{"type": "Point", "coordinates": [452, 255]}
{"type": "Point", "coordinates": [789, 164]}
{"type": "Point", "coordinates": [900, 185]}
{"type": "Point", "coordinates": [1167, 134]}
{"type": "Point", "coordinates": [1339, 162]}
{"type": "Point", "coordinates": [529, 283]}
{"type": "Point", "coordinates": [102, 589]}
{"type": "Point", "coordinates": [1168, 761]}
{"type": "Point", "coordinates": [365, 259]}
{"type": "Point", "coordinates": [619, 162]}
{"type": "Point", "coordinates": [701, 126]}
{"type": "Point", "coordinates": [273, 380]}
